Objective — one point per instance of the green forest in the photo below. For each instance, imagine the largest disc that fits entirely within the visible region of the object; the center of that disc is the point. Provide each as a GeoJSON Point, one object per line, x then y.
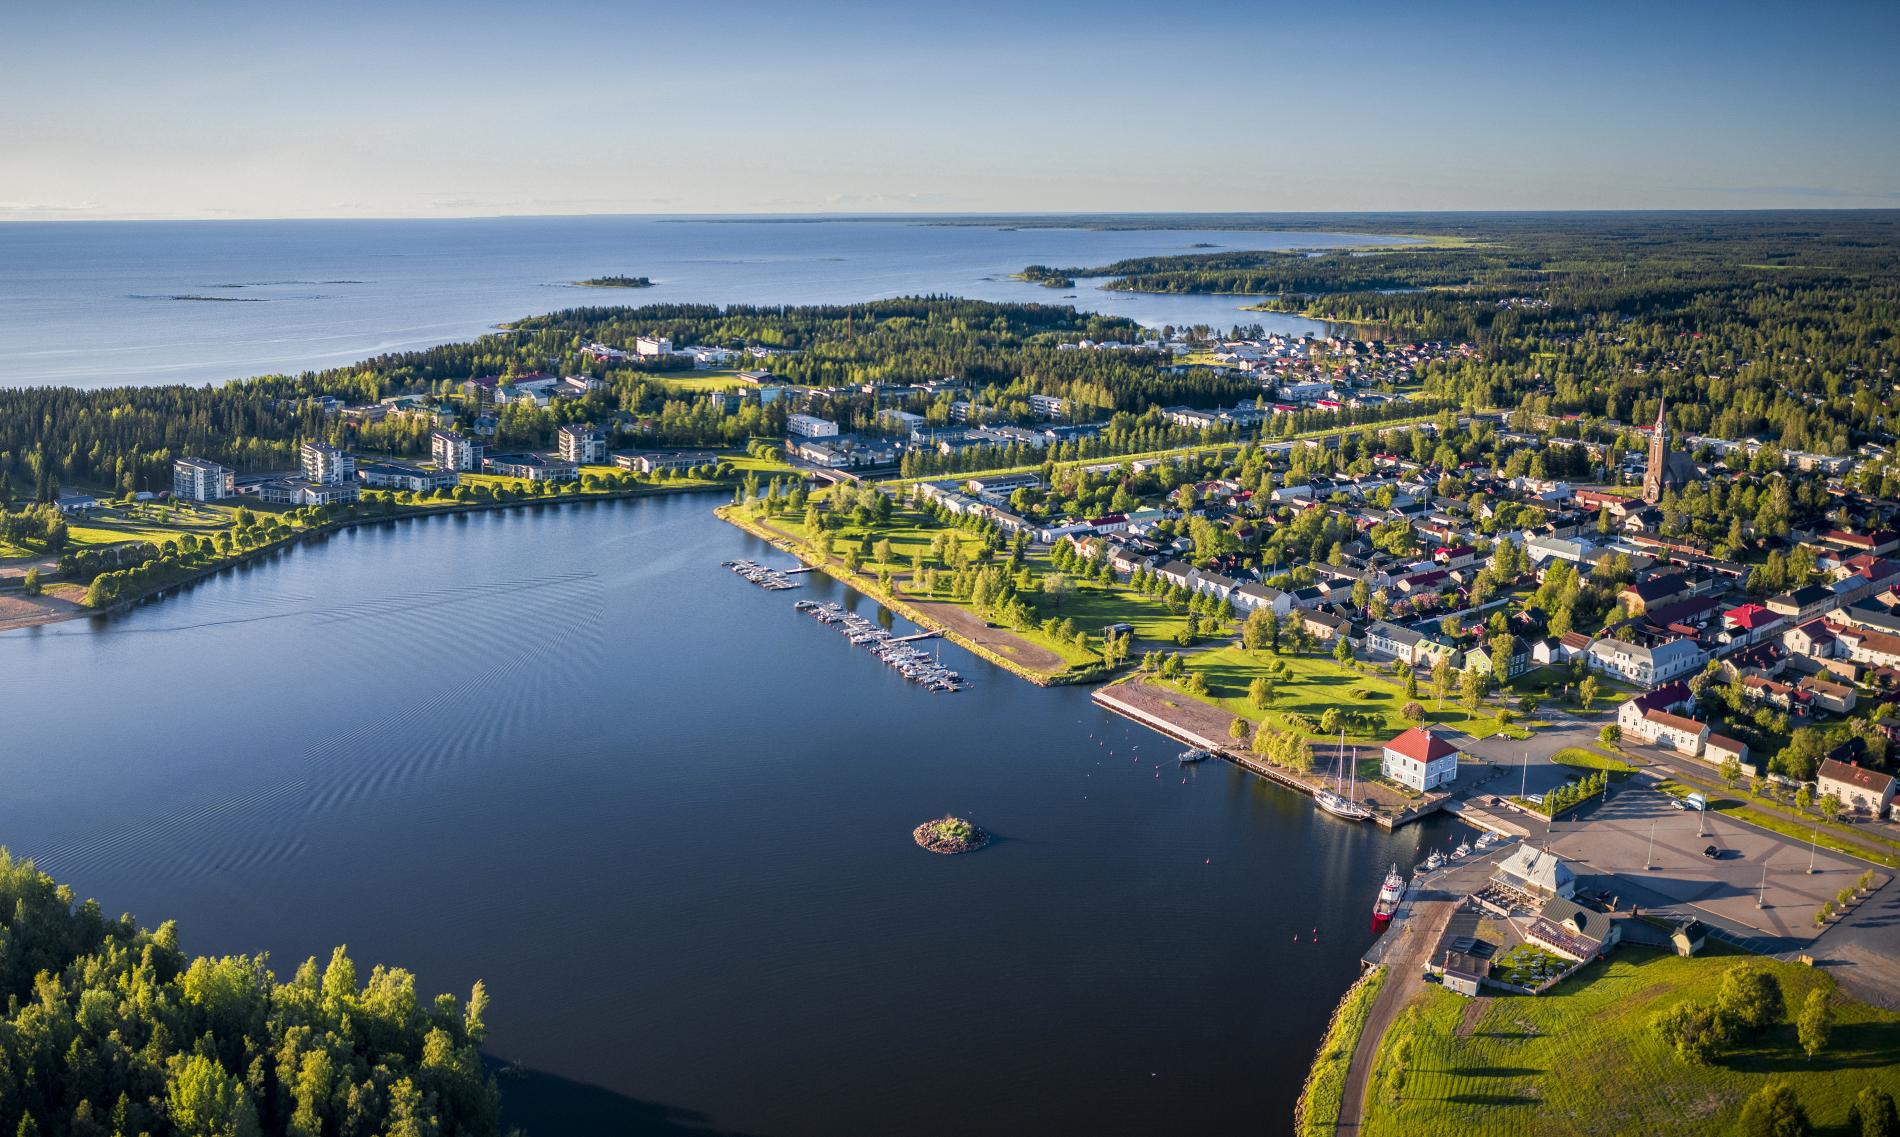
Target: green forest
{"type": "Point", "coordinates": [111, 1029]}
{"type": "Point", "coordinates": [1782, 325]}
{"type": "Point", "coordinates": [125, 439]}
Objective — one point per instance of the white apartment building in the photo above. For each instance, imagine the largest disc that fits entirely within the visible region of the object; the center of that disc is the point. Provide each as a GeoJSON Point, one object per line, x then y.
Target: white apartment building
{"type": "Point", "coordinates": [583, 445]}
{"type": "Point", "coordinates": [326, 465]}
{"type": "Point", "coordinates": [194, 479]}
{"type": "Point", "coordinates": [453, 451]}
{"type": "Point", "coordinates": [810, 426]}
{"type": "Point", "coordinates": [650, 346]}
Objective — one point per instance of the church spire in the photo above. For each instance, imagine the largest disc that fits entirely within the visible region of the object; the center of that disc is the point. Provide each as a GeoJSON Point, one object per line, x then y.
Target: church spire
{"type": "Point", "coordinates": [1658, 456]}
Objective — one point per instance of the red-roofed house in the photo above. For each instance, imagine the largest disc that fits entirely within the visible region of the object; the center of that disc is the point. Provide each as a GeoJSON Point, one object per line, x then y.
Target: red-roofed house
{"type": "Point", "coordinates": [1814, 639]}
{"type": "Point", "coordinates": [1856, 787]}
{"type": "Point", "coordinates": [1670, 697]}
{"type": "Point", "coordinates": [1879, 541]}
{"type": "Point", "coordinates": [1683, 735]}
{"type": "Point", "coordinates": [1420, 759]}
{"type": "Point", "coordinates": [1752, 623]}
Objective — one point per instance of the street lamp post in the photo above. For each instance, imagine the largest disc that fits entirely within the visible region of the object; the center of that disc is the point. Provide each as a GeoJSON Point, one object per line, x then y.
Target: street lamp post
{"type": "Point", "coordinates": [1649, 858]}
{"type": "Point", "coordinates": [1812, 835]}
{"type": "Point", "coordinates": [1762, 896]}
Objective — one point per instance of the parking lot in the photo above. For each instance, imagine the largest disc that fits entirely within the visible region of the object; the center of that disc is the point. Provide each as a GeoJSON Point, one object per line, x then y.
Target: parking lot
{"type": "Point", "coordinates": [1639, 827]}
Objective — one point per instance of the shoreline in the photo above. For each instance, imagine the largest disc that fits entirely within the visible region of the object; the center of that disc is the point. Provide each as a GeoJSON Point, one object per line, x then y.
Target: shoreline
{"type": "Point", "coordinates": [784, 543]}
{"type": "Point", "coordinates": [337, 526]}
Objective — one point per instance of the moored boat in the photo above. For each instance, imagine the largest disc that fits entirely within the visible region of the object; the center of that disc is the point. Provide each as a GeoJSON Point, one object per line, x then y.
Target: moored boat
{"type": "Point", "coordinates": [1340, 806]}
{"type": "Point", "coordinates": [1391, 892]}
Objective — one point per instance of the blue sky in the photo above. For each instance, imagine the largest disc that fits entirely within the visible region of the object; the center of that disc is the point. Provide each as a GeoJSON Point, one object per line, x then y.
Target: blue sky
{"type": "Point", "coordinates": [211, 109]}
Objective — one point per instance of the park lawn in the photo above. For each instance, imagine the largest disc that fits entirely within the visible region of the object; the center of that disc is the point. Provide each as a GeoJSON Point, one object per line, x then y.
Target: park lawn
{"type": "Point", "coordinates": [910, 534]}
{"type": "Point", "coordinates": [698, 381]}
{"type": "Point", "coordinates": [1174, 452]}
{"type": "Point", "coordinates": [1318, 682]}
{"type": "Point", "coordinates": [1581, 1061]}
{"type": "Point", "coordinates": [1579, 758]}
{"type": "Point", "coordinates": [147, 522]}
{"type": "Point", "coordinates": [1095, 606]}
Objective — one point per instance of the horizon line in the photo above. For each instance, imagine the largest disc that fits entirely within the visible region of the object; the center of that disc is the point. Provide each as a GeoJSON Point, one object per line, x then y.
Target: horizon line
{"type": "Point", "coordinates": [78, 217]}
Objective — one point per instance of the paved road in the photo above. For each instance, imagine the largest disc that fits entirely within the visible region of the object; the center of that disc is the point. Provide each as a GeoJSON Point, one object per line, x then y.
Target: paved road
{"type": "Point", "coordinates": [1709, 778]}
{"type": "Point", "coordinates": [1760, 895]}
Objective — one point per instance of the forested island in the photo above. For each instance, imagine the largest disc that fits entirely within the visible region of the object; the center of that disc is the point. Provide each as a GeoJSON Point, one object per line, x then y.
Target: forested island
{"type": "Point", "coordinates": [615, 282]}
{"type": "Point", "coordinates": [111, 1028]}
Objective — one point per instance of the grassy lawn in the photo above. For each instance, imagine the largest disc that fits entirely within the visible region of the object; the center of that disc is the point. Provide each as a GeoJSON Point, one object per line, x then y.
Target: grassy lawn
{"type": "Point", "coordinates": [1581, 1061]}
{"type": "Point", "coordinates": [1318, 1110]}
{"type": "Point", "coordinates": [1182, 451]}
{"type": "Point", "coordinates": [697, 381]}
{"type": "Point", "coordinates": [1528, 965]}
{"type": "Point", "coordinates": [150, 522]}
{"type": "Point", "coordinates": [1317, 682]}
{"type": "Point", "coordinates": [1578, 758]}
{"type": "Point", "coordinates": [910, 534]}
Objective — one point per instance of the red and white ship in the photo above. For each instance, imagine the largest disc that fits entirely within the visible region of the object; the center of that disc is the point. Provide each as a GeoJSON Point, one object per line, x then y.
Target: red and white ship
{"type": "Point", "coordinates": [1390, 893]}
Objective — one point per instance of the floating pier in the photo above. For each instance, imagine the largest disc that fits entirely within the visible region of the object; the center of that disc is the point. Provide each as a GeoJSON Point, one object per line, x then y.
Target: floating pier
{"type": "Point", "coordinates": [763, 576]}
{"type": "Point", "coordinates": [914, 664]}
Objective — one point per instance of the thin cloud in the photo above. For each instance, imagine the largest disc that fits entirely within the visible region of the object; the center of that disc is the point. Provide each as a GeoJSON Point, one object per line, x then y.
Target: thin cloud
{"type": "Point", "coordinates": [1828, 192]}
{"type": "Point", "coordinates": [47, 207]}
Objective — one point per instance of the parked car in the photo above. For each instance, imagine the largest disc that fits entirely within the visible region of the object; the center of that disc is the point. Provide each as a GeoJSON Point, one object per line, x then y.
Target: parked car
{"type": "Point", "coordinates": [1712, 853]}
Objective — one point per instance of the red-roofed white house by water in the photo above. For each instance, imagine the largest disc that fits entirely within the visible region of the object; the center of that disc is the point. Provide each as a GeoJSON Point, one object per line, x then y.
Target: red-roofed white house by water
{"type": "Point", "coordinates": [1420, 759]}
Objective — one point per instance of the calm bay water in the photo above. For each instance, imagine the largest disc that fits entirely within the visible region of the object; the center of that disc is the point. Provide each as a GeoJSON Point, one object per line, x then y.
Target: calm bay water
{"type": "Point", "coordinates": [98, 304]}
{"type": "Point", "coordinates": [667, 819]}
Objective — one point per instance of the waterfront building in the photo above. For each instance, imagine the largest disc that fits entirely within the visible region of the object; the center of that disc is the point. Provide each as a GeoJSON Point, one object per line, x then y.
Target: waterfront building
{"type": "Point", "coordinates": [326, 465]}
{"type": "Point", "coordinates": [1530, 871]}
{"type": "Point", "coordinates": [582, 445]}
{"type": "Point", "coordinates": [810, 426]}
{"type": "Point", "coordinates": [194, 479]}
{"type": "Point", "coordinates": [1420, 759]}
{"type": "Point", "coordinates": [677, 462]}
{"type": "Point", "coordinates": [403, 476]}
{"type": "Point", "coordinates": [532, 467]}
{"type": "Point", "coordinates": [454, 451]}
{"type": "Point", "coordinates": [303, 491]}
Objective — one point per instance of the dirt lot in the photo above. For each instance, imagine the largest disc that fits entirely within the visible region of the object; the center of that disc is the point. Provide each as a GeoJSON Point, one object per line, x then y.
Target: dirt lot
{"type": "Point", "coordinates": [999, 640]}
{"type": "Point", "coordinates": [18, 611]}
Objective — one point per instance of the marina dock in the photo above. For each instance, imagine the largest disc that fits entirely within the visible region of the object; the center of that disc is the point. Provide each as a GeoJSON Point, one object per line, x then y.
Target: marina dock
{"type": "Point", "coordinates": [913, 663]}
{"type": "Point", "coordinates": [770, 578]}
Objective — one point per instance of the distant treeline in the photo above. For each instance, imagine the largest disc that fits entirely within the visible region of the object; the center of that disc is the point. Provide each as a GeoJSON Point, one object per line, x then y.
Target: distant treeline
{"type": "Point", "coordinates": [1780, 325]}
{"type": "Point", "coordinates": [125, 439]}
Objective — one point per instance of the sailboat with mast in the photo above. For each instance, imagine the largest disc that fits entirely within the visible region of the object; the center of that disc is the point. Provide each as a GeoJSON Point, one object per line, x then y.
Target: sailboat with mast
{"type": "Point", "coordinates": [1344, 805]}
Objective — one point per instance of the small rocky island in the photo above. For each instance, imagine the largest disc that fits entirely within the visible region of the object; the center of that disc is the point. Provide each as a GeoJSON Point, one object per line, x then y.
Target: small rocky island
{"type": "Point", "coordinates": [615, 282]}
{"type": "Point", "coordinates": [950, 835]}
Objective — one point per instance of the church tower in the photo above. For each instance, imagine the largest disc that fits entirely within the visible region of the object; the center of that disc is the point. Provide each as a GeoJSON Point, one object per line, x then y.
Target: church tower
{"type": "Point", "coordinates": [1658, 458]}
